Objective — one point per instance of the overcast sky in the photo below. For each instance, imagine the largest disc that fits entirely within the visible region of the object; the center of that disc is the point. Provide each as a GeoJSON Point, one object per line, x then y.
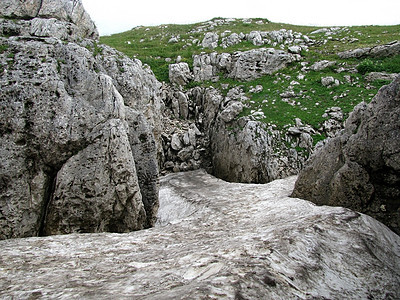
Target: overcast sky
{"type": "Point", "coordinates": [121, 15]}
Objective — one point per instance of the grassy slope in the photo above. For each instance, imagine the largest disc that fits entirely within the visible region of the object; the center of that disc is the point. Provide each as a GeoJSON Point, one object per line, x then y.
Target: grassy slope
{"type": "Point", "coordinates": [150, 44]}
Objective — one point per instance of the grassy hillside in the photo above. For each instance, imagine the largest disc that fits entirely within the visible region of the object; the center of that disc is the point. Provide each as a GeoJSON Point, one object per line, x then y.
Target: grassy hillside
{"type": "Point", "coordinates": [159, 46]}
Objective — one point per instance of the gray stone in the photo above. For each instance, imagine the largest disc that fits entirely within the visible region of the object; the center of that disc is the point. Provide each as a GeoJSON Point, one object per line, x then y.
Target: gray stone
{"type": "Point", "coordinates": [231, 40]}
{"type": "Point", "coordinates": [210, 40]}
{"type": "Point", "coordinates": [386, 50]}
{"type": "Point", "coordinates": [203, 69]}
{"type": "Point", "coordinates": [256, 38]}
{"type": "Point", "coordinates": [321, 65]}
{"type": "Point", "coordinates": [246, 66]}
{"type": "Point", "coordinates": [78, 128]}
{"type": "Point", "coordinates": [295, 49]}
{"type": "Point", "coordinates": [370, 77]}
{"type": "Point", "coordinates": [173, 40]}
{"type": "Point", "coordinates": [214, 239]}
{"type": "Point", "coordinates": [252, 64]}
{"type": "Point", "coordinates": [183, 105]}
{"type": "Point", "coordinates": [176, 142]}
{"type": "Point", "coordinates": [186, 153]}
{"type": "Point", "coordinates": [179, 73]}
{"type": "Point", "coordinates": [360, 168]}
{"type": "Point", "coordinates": [230, 112]}
{"type": "Point", "coordinates": [329, 81]}
{"type": "Point", "coordinates": [70, 11]}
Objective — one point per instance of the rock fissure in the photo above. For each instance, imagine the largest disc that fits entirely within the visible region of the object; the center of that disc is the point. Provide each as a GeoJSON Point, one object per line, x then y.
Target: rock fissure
{"type": "Point", "coordinates": [39, 8]}
{"type": "Point", "coordinates": [49, 190]}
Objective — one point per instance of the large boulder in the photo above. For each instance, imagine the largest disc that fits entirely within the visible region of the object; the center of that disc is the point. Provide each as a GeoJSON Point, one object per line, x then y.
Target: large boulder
{"type": "Point", "coordinates": [210, 40]}
{"type": "Point", "coordinates": [360, 168]}
{"type": "Point", "coordinates": [385, 50]}
{"type": "Point", "coordinates": [242, 66]}
{"type": "Point", "coordinates": [46, 12]}
{"type": "Point", "coordinates": [179, 73]}
{"type": "Point", "coordinates": [78, 130]}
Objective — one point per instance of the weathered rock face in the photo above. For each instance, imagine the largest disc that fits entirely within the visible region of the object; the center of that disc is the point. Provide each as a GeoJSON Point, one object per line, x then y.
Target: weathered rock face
{"type": "Point", "coordinates": [210, 40]}
{"type": "Point", "coordinates": [204, 129]}
{"type": "Point", "coordinates": [179, 73]}
{"type": "Point", "coordinates": [77, 129]}
{"type": "Point", "coordinates": [360, 168]}
{"type": "Point", "coordinates": [386, 50]}
{"type": "Point", "coordinates": [244, 66]}
{"type": "Point", "coordinates": [215, 240]}
{"type": "Point", "coordinates": [49, 18]}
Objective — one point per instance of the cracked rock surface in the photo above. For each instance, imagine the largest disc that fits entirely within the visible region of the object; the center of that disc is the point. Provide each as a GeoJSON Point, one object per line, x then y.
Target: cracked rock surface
{"type": "Point", "coordinates": [77, 127]}
{"type": "Point", "coordinates": [226, 241]}
{"type": "Point", "coordinates": [360, 167]}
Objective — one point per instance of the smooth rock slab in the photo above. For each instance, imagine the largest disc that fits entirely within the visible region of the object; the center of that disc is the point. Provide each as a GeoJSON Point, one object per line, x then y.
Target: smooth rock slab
{"type": "Point", "coordinates": [233, 241]}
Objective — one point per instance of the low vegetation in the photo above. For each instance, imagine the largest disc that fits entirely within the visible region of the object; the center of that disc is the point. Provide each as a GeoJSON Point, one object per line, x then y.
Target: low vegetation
{"type": "Point", "coordinates": [160, 46]}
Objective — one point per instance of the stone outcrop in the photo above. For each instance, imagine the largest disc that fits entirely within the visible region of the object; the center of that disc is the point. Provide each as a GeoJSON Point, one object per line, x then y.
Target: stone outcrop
{"type": "Point", "coordinates": [334, 122]}
{"type": "Point", "coordinates": [360, 168]}
{"type": "Point", "coordinates": [217, 240]}
{"type": "Point", "coordinates": [210, 40]}
{"type": "Point", "coordinates": [179, 73]}
{"type": "Point", "coordinates": [370, 77]}
{"type": "Point", "coordinates": [283, 38]}
{"type": "Point", "coordinates": [79, 127]}
{"type": "Point", "coordinates": [47, 18]}
{"type": "Point", "coordinates": [242, 66]}
{"type": "Point", "coordinates": [212, 135]}
{"type": "Point", "coordinates": [321, 65]}
{"type": "Point", "coordinates": [385, 50]}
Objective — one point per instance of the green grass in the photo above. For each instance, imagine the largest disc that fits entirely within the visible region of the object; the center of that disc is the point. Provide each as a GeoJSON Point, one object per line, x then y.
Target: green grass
{"type": "Point", "coordinates": [388, 64]}
{"type": "Point", "coordinates": [3, 48]}
{"type": "Point", "coordinates": [151, 45]}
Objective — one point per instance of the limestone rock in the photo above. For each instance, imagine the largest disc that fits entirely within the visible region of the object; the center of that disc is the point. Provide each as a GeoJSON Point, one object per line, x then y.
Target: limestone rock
{"type": "Point", "coordinates": [176, 143]}
{"type": "Point", "coordinates": [179, 73]}
{"type": "Point", "coordinates": [210, 40]}
{"type": "Point", "coordinates": [109, 201]}
{"type": "Point", "coordinates": [386, 50]}
{"type": "Point", "coordinates": [370, 77]}
{"type": "Point", "coordinates": [246, 66]}
{"type": "Point", "coordinates": [321, 65]}
{"type": "Point", "coordinates": [256, 38]}
{"type": "Point", "coordinates": [334, 123]}
{"type": "Point", "coordinates": [231, 40]}
{"type": "Point", "coordinates": [70, 11]}
{"type": "Point", "coordinates": [360, 168]}
{"type": "Point", "coordinates": [183, 105]}
{"type": "Point", "coordinates": [203, 68]}
{"type": "Point", "coordinates": [173, 40]}
{"type": "Point", "coordinates": [215, 240]}
{"type": "Point", "coordinates": [231, 111]}
{"type": "Point", "coordinates": [77, 127]}
{"type": "Point", "coordinates": [329, 81]}
{"type": "Point", "coordinates": [295, 49]}
{"type": "Point", "coordinates": [252, 64]}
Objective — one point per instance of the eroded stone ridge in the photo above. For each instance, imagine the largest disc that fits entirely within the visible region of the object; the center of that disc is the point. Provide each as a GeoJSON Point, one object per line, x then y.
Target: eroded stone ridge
{"type": "Point", "coordinates": [78, 131]}
{"type": "Point", "coordinates": [242, 66]}
{"type": "Point", "coordinates": [50, 18]}
{"type": "Point", "coordinates": [217, 239]}
{"type": "Point", "coordinates": [360, 168]}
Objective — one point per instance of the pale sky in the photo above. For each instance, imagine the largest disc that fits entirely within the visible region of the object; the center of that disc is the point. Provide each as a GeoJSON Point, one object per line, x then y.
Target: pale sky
{"type": "Point", "coordinates": [121, 15]}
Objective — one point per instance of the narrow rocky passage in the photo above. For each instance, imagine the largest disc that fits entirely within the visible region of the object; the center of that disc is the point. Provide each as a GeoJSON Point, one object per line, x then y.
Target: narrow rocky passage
{"type": "Point", "coordinates": [214, 240]}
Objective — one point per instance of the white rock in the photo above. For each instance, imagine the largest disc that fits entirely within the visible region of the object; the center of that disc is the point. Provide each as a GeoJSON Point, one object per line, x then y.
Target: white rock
{"type": "Point", "coordinates": [210, 40]}
{"type": "Point", "coordinates": [179, 73]}
{"type": "Point", "coordinates": [176, 143]}
{"type": "Point", "coordinates": [215, 238]}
